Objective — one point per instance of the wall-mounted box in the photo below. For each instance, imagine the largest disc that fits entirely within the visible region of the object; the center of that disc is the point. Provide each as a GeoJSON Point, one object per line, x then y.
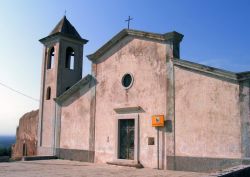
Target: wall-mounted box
{"type": "Point", "coordinates": [158, 121]}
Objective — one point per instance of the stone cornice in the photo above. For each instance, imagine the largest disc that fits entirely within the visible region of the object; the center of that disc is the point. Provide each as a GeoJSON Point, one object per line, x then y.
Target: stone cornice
{"type": "Point", "coordinates": [243, 76]}
{"type": "Point", "coordinates": [61, 35]}
{"type": "Point", "coordinates": [125, 110]}
{"type": "Point", "coordinates": [206, 69]}
{"type": "Point", "coordinates": [171, 36]}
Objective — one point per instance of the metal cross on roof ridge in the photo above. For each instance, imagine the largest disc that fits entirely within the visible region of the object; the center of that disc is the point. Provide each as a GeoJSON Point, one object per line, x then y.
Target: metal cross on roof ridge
{"type": "Point", "coordinates": [128, 20]}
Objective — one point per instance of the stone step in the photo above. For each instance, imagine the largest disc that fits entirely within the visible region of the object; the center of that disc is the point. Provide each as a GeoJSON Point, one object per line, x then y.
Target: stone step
{"type": "Point", "coordinates": [31, 158]}
{"type": "Point", "coordinates": [126, 163]}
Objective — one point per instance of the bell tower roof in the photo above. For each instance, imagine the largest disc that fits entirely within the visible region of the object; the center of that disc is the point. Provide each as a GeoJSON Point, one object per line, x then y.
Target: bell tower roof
{"type": "Point", "coordinates": [64, 28]}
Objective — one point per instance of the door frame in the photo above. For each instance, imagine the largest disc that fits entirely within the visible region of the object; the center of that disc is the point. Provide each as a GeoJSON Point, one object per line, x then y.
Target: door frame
{"type": "Point", "coordinates": [127, 146]}
{"type": "Point", "coordinates": [136, 137]}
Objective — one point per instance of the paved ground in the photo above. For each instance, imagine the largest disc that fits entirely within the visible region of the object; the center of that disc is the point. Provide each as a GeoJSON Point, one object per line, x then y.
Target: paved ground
{"type": "Point", "coordinates": [65, 168]}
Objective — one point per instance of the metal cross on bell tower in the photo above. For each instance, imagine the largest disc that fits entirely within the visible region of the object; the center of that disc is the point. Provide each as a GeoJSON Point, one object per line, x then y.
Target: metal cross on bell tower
{"type": "Point", "coordinates": [128, 20]}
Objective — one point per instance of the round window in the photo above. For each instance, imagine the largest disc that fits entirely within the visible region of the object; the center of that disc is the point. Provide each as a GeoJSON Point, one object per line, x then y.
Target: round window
{"type": "Point", "coordinates": [127, 81]}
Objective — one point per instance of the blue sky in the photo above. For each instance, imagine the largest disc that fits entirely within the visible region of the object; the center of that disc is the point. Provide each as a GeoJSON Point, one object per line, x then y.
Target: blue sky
{"type": "Point", "coordinates": [216, 33]}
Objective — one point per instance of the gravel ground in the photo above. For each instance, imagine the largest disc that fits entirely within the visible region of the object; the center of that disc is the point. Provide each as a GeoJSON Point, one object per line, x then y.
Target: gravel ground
{"type": "Point", "coordinates": [66, 168]}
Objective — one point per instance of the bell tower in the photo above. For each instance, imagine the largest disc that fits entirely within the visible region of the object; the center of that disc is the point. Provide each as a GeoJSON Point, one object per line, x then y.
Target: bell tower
{"type": "Point", "coordinates": [61, 68]}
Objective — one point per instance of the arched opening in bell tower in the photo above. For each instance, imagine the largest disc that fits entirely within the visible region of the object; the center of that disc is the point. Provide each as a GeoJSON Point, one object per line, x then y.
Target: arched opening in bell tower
{"type": "Point", "coordinates": [70, 58]}
{"type": "Point", "coordinates": [51, 58]}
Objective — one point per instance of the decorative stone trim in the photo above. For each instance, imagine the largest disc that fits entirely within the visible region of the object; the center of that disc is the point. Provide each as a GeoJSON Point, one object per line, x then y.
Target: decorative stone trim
{"type": "Point", "coordinates": [136, 138]}
{"type": "Point", "coordinates": [123, 81]}
{"type": "Point", "coordinates": [135, 109]}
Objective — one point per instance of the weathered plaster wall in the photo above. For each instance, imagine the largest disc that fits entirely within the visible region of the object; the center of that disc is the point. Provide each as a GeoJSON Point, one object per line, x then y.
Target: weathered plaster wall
{"type": "Point", "coordinates": [49, 79]}
{"type": "Point", "coordinates": [26, 134]}
{"type": "Point", "coordinates": [207, 116]}
{"type": "Point", "coordinates": [146, 61]}
{"type": "Point", "coordinates": [75, 121]}
{"type": "Point", "coordinates": [58, 78]}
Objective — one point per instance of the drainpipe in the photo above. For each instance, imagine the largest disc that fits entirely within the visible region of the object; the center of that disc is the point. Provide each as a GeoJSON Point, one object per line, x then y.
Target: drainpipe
{"type": "Point", "coordinates": [158, 149]}
{"type": "Point", "coordinates": [54, 126]}
{"type": "Point", "coordinates": [174, 117]}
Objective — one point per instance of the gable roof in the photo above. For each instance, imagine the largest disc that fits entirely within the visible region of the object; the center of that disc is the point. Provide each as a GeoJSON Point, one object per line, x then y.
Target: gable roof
{"type": "Point", "coordinates": [171, 36]}
{"type": "Point", "coordinates": [64, 28]}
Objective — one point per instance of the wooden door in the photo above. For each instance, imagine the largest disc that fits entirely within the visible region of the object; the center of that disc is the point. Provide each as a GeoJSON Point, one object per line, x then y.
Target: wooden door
{"type": "Point", "coordinates": [126, 138]}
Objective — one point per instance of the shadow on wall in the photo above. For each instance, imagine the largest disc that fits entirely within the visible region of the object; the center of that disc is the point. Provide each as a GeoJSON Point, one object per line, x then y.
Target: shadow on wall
{"type": "Point", "coordinates": [81, 91]}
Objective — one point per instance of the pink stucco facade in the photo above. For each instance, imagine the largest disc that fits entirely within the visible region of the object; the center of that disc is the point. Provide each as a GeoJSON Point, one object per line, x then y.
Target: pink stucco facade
{"type": "Point", "coordinates": [207, 116]}
{"type": "Point", "coordinates": [206, 110]}
{"type": "Point", "coordinates": [75, 116]}
{"type": "Point", "coordinates": [145, 60]}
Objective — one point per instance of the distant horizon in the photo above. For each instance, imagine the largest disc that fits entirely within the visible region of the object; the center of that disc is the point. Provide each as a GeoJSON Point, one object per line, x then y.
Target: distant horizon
{"type": "Point", "coordinates": [3, 135]}
{"type": "Point", "coordinates": [7, 141]}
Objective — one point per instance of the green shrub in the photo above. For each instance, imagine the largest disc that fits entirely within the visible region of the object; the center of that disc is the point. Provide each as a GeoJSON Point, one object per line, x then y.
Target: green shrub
{"type": "Point", "coordinates": [5, 151]}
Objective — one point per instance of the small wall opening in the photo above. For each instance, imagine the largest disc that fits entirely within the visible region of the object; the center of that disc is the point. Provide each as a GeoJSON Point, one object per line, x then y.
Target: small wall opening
{"type": "Point", "coordinates": [70, 58]}
{"type": "Point", "coordinates": [51, 58]}
{"type": "Point", "coordinates": [25, 149]}
{"type": "Point", "coordinates": [48, 93]}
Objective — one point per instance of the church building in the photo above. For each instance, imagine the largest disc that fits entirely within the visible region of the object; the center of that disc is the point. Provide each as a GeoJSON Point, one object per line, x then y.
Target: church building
{"type": "Point", "coordinates": [141, 106]}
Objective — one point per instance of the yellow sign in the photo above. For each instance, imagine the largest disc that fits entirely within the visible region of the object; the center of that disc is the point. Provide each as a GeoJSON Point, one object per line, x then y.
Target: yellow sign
{"type": "Point", "coordinates": [158, 121]}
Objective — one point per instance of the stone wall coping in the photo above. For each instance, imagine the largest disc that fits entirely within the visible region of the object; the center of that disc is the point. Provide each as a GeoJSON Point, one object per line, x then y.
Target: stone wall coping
{"type": "Point", "coordinates": [74, 88]}
{"type": "Point", "coordinates": [212, 70]}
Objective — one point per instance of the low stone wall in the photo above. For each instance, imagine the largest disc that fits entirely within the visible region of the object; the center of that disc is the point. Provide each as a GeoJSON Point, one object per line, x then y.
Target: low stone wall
{"type": "Point", "coordinates": [241, 171]}
{"type": "Point", "coordinates": [4, 158]}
